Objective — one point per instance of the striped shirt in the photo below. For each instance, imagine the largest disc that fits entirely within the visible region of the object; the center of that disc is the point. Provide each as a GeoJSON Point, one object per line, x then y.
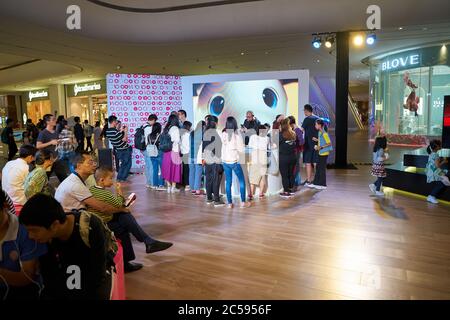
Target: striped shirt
{"type": "Point", "coordinates": [36, 182]}
{"type": "Point", "coordinates": [108, 197]}
{"type": "Point", "coordinates": [115, 137]}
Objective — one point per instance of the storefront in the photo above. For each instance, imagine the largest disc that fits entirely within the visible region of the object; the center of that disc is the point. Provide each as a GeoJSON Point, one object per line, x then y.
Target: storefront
{"type": "Point", "coordinates": [407, 90]}
{"type": "Point", "coordinates": [87, 100]}
{"type": "Point", "coordinates": [38, 104]}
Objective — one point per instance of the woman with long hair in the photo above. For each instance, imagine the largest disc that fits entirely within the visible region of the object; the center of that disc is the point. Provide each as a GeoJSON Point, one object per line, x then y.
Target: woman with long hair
{"type": "Point", "coordinates": [232, 151]}
{"type": "Point", "coordinates": [288, 159]}
{"type": "Point", "coordinates": [172, 164]}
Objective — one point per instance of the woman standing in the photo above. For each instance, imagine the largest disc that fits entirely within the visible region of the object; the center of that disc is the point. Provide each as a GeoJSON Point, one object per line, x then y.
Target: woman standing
{"type": "Point", "coordinates": [435, 174]}
{"type": "Point", "coordinates": [195, 165]}
{"type": "Point", "coordinates": [232, 149]}
{"type": "Point", "coordinates": [287, 157]}
{"type": "Point", "coordinates": [37, 180]}
{"type": "Point", "coordinates": [259, 145]}
{"type": "Point", "coordinates": [170, 145]}
{"type": "Point", "coordinates": [98, 141]}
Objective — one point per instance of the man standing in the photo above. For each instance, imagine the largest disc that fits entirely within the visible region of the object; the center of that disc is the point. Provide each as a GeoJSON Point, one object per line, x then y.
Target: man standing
{"type": "Point", "coordinates": [250, 126]}
{"type": "Point", "coordinates": [48, 139]}
{"type": "Point", "coordinates": [79, 134]}
{"type": "Point", "coordinates": [182, 117]}
{"type": "Point", "coordinates": [119, 140]}
{"type": "Point", "coordinates": [8, 138]}
{"type": "Point", "coordinates": [310, 156]}
{"type": "Point", "coordinates": [88, 130]}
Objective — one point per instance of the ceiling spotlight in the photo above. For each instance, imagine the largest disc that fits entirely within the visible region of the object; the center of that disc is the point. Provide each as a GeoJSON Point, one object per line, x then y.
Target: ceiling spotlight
{"type": "Point", "coordinates": [317, 42]}
{"type": "Point", "coordinates": [358, 40]}
{"type": "Point", "coordinates": [329, 42]}
{"type": "Point", "coordinates": [370, 40]}
{"type": "Point", "coordinates": [118, 67]}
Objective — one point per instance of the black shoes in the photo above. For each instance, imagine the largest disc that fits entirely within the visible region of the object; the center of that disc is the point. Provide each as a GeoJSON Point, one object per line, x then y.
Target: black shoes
{"type": "Point", "coordinates": [132, 266]}
{"type": "Point", "coordinates": [157, 246]}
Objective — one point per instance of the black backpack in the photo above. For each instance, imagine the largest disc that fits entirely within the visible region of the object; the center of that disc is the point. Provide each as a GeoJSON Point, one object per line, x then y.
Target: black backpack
{"type": "Point", "coordinates": [5, 138]}
{"type": "Point", "coordinates": [139, 138]}
{"type": "Point", "coordinates": [165, 142]}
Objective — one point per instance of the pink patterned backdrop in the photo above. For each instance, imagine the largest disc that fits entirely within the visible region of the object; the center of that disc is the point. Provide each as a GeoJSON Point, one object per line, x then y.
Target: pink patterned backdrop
{"type": "Point", "coordinates": [133, 97]}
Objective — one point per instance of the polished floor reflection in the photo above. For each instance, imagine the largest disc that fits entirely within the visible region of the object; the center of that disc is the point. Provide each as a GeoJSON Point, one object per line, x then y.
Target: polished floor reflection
{"type": "Point", "coordinates": [341, 243]}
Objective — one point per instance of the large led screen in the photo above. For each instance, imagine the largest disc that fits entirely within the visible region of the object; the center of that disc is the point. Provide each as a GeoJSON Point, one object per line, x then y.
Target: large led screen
{"type": "Point", "coordinates": [266, 98]}
{"type": "Point", "coordinates": [446, 126]}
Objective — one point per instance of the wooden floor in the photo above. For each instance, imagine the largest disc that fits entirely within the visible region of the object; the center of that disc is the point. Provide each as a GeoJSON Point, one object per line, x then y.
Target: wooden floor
{"type": "Point", "coordinates": [341, 243]}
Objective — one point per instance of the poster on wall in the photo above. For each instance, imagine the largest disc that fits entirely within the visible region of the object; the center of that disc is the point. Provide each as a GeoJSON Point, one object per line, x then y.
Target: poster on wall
{"type": "Point", "coordinates": [446, 124]}
{"type": "Point", "coordinates": [266, 98]}
{"type": "Point", "coordinates": [133, 97]}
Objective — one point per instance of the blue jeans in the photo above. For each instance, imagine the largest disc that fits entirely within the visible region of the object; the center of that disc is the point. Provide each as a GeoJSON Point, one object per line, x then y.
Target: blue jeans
{"type": "Point", "coordinates": [124, 157]}
{"type": "Point", "coordinates": [156, 167]}
{"type": "Point", "coordinates": [195, 176]}
{"type": "Point", "coordinates": [148, 170]}
{"type": "Point", "coordinates": [298, 178]}
{"type": "Point", "coordinates": [228, 169]}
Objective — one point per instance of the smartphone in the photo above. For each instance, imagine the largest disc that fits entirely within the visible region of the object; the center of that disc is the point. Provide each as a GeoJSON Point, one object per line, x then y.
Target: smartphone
{"type": "Point", "coordinates": [131, 198]}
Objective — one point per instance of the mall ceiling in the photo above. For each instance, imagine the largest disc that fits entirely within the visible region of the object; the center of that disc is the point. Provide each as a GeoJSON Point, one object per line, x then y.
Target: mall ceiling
{"type": "Point", "coordinates": [197, 37]}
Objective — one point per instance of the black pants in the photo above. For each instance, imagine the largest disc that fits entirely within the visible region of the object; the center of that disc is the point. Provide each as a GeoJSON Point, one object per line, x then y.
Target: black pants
{"type": "Point", "coordinates": [378, 183]}
{"type": "Point", "coordinates": [438, 189]}
{"type": "Point", "coordinates": [213, 177]}
{"type": "Point", "coordinates": [122, 225]}
{"type": "Point", "coordinates": [89, 144]}
{"type": "Point", "coordinates": [12, 150]}
{"type": "Point", "coordinates": [80, 147]}
{"type": "Point", "coordinates": [320, 178]}
{"type": "Point", "coordinates": [287, 168]}
{"type": "Point", "coordinates": [185, 181]}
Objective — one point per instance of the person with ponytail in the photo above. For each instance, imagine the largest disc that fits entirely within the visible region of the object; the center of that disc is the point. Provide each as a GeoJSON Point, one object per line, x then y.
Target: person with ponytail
{"type": "Point", "coordinates": [435, 173]}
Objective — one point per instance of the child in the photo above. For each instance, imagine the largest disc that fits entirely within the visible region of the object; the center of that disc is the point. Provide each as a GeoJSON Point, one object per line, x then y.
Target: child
{"type": "Point", "coordinates": [122, 224]}
{"type": "Point", "coordinates": [434, 172]}
{"type": "Point", "coordinates": [379, 156]}
{"type": "Point", "coordinates": [323, 147]}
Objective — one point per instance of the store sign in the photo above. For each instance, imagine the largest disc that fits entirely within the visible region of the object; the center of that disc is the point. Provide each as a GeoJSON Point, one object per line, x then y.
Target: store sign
{"type": "Point", "coordinates": [85, 89]}
{"type": "Point", "coordinates": [412, 60]}
{"type": "Point", "coordinates": [38, 95]}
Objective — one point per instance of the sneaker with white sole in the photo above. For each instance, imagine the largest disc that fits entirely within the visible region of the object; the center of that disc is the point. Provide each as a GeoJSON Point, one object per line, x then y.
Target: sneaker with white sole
{"type": "Point", "coordinates": [379, 193]}
{"type": "Point", "coordinates": [230, 206]}
{"type": "Point", "coordinates": [175, 190]}
{"type": "Point", "coordinates": [219, 204]}
{"type": "Point", "coordinates": [317, 187]}
{"type": "Point", "coordinates": [310, 185]}
{"type": "Point", "coordinates": [432, 199]}
{"type": "Point", "coordinates": [372, 187]}
{"type": "Point", "coordinates": [161, 188]}
{"type": "Point", "coordinates": [245, 204]}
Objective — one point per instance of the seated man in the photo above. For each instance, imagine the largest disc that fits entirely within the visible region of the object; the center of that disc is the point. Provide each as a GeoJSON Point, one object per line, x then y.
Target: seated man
{"type": "Point", "coordinates": [73, 268]}
{"type": "Point", "coordinates": [123, 223]}
{"type": "Point", "coordinates": [18, 257]}
{"type": "Point", "coordinates": [14, 174]}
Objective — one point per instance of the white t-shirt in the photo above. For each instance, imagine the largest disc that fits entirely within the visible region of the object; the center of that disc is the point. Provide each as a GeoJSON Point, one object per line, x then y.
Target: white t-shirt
{"type": "Point", "coordinates": [185, 142]}
{"type": "Point", "coordinates": [71, 193]}
{"type": "Point", "coordinates": [258, 146]}
{"type": "Point", "coordinates": [174, 133]}
{"type": "Point", "coordinates": [14, 174]}
{"type": "Point", "coordinates": [147, 131]}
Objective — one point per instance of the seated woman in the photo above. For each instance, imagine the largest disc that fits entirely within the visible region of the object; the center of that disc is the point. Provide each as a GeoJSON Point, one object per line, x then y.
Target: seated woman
{"type": "Point", "coordinates": [435, 174]}
{"type": "Point", "coordinates": [37, 180]}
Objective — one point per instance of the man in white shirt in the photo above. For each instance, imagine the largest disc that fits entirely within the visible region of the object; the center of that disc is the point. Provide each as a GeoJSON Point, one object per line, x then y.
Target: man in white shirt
{"type": "Point", "coordinates": [14, 174]}
{"type": "Point", "coordinates": [73, 193]}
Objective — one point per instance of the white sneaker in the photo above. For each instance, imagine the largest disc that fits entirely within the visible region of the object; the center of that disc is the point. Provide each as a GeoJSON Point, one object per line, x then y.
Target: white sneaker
{"type": "Point", "coordinates": [169, 189]}
{"type": "Point", "coordinates": [379, 193]}
{"type": "Point", "coordinates": [310, 185]}
{"type": "Point", "coordinates": [148, 186]}
{"type": "Point", "coordinates": [320, 187]}
{"type": "Point", "coordinates": [372, 187]}
{"type": "Point", "coordinates": [175, 190]}
{"type": "Point", "coordinates": [432, 199]}
{"type": "Point", "coordinates": [230, 206]}
{"type": "Point", "coordinates": [161, 188]}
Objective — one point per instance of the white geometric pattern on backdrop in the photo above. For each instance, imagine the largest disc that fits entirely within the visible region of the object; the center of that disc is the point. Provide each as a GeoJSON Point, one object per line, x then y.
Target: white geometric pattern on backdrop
{"type": "Point", "coordinates": [133, 97]}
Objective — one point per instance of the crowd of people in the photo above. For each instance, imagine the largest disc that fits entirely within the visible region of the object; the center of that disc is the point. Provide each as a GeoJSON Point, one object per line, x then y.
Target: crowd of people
{"type": "Point", "coordinates": [49, 235]}
{"type": "Point", "coordinates": [179, 157]}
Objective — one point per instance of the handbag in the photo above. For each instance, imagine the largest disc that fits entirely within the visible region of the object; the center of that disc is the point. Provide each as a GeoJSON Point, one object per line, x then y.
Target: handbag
{"type": "Point", "coordinates": [152, 149]}
{"type": "Point", "coordinates": [273, 164]}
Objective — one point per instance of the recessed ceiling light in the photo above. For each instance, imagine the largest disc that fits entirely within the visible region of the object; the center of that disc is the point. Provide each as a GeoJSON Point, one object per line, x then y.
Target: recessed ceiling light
{"type": "Point", "coordinates": [425, 29]}
{"type": "Point", "coordinates": [317, 60]}
{"type": "Point", "coordinates": [400, 28]}
{"type": "Point", "coordinates": [118, 67]}
{"type": "Point", "coordinates": [242, 53]}
{"type": "Point", "coordinates": [267, 52]}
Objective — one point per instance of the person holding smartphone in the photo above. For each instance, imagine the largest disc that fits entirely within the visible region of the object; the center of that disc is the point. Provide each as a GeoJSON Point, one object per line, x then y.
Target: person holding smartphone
{"type": "Point", "coordinates": [122, 223]}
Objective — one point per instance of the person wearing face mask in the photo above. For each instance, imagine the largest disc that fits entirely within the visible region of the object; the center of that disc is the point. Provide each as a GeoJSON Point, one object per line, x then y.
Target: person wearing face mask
{"type": "Point", "coordinates": [37, 180]}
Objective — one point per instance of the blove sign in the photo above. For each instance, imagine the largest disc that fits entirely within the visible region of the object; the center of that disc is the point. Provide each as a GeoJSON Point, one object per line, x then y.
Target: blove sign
{"type": "Point", "coordinates": [412, 60]}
